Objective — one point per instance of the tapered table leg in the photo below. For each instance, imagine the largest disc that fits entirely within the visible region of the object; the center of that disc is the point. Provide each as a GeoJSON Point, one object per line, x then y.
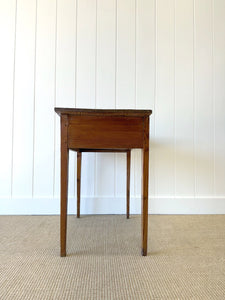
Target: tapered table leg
{"type": "Point", "coordinates": [64, 184]}
{"type": "Point", "coordinates": [78, 182]}
{"type": "Point", "coordinates": [145, 188]}
{"type": "Point", "coordinates": [128, 184]}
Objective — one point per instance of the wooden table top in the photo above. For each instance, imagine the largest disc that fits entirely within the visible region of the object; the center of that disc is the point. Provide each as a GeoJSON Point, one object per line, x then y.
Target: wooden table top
{"type": "Point", "coordinates": [103, 112]}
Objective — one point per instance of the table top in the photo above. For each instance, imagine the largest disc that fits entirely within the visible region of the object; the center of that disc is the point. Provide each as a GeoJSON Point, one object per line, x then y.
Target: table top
{"type": "Point", "coordinates": [103, 112]}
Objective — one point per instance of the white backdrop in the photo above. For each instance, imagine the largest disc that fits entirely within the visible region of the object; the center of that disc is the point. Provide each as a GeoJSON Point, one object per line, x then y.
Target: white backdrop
{"type": "Point", "coordinates": [164, 55]}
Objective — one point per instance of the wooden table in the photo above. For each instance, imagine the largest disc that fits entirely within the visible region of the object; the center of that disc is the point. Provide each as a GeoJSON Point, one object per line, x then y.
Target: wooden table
{"type": "Point", "coordinates": [103, 130]}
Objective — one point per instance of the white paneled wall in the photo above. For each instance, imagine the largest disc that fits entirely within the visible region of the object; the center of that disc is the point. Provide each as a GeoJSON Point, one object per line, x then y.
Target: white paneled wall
{"type": "Point", "coordinates": [164, 55]}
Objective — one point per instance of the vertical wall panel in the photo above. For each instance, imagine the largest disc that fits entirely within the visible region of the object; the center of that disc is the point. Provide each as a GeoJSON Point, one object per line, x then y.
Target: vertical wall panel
{"type": "Point", "coordinates": [65, 80]}
{"type": "Point", "coordinates": [145, 79]}
{"type": "Point", "coordinates": [203, 98]}
{"type": "Point", "coordinates": [105, 87]}
{"type": "Point", "coordinates": [104, 174]}
{"type": "Point", "coordinates": [86, 80]}
{"type": "Point", "coordinates": [120, 175]}
{"type": "Point", "coordinates": [126, 85]}
{"type": "Point", "coordinates": [24, 98]}
{"type": "Point", "coordinates": [7, 38]}
{"type": "Point", "coordinates": [164, 110]}
{"type": "Point", "coordinates": [145, 54]}
{"type": "Point", "coordinates": [105, 69]}
{"type": "Point", "coordinates": [125, 76]}
{"type": "Point", "coordinates": [44, 98]}
{"type": "Point", "coordinates": [219, 95]}
{"type": "Point", "coordinates": [86, 52]}
{"type": "Point", "coordinates": [184, 105]}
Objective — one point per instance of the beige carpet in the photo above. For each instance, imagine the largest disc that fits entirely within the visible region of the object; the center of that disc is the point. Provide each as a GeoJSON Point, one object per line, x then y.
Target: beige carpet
{"type": "Point", "coordinates": [186, 258]}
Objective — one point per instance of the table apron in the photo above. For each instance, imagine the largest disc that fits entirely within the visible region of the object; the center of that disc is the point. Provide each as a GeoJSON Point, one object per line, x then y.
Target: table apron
{"type": "Point", "coordinates": [105, 133]}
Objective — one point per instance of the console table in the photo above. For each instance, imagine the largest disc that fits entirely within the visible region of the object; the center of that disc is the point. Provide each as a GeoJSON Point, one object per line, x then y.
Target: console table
{"type": "Point", "coordinates": [103, 130]}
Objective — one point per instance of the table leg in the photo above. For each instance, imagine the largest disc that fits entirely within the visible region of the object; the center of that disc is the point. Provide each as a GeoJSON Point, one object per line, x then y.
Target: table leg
{"type": "Point", "coordinates": [145, 188]}
{"type": "Point", "coordinates": [78, 182]}
{"type": "Point", "coordinates": [64, 184]}
{"type": "Point", "coordinates": [128, 184]}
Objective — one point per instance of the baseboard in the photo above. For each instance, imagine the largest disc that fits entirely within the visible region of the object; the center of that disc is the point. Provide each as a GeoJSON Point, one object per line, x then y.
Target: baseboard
{"type": "Point", "coordinates": [113, 205]}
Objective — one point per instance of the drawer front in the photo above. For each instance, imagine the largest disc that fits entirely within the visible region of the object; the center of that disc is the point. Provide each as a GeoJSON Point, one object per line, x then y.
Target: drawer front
{"type": "Point", "coordinates": [105, 132]}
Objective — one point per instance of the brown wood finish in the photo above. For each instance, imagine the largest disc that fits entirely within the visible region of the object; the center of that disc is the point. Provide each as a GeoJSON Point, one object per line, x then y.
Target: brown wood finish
{"type": "Point", "coordinates": [105, 132]}
{"type": "Point", "coordinates": [96, 130]}
{"type": "Point", "coordinates": [144, 220]}
{"type": "Point", "coordinates": [78, 181]}
{"type": "Point", "coordinates": [64, 183]}
{"type": "Point", "coordinates": [99, 150]}
{"type": "Point", "coordinates": [128, 184]}
{"type": "Point", "coordinates": [103, 112]}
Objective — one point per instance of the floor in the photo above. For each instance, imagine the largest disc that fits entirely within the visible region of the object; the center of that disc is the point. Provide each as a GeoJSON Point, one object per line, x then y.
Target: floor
{"type": "Point", "coordinates": [186, 258]}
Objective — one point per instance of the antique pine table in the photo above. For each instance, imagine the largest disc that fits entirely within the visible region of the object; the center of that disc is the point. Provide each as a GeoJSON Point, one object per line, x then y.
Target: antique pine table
{"type": "Point", "coordinates": [103, 130]}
